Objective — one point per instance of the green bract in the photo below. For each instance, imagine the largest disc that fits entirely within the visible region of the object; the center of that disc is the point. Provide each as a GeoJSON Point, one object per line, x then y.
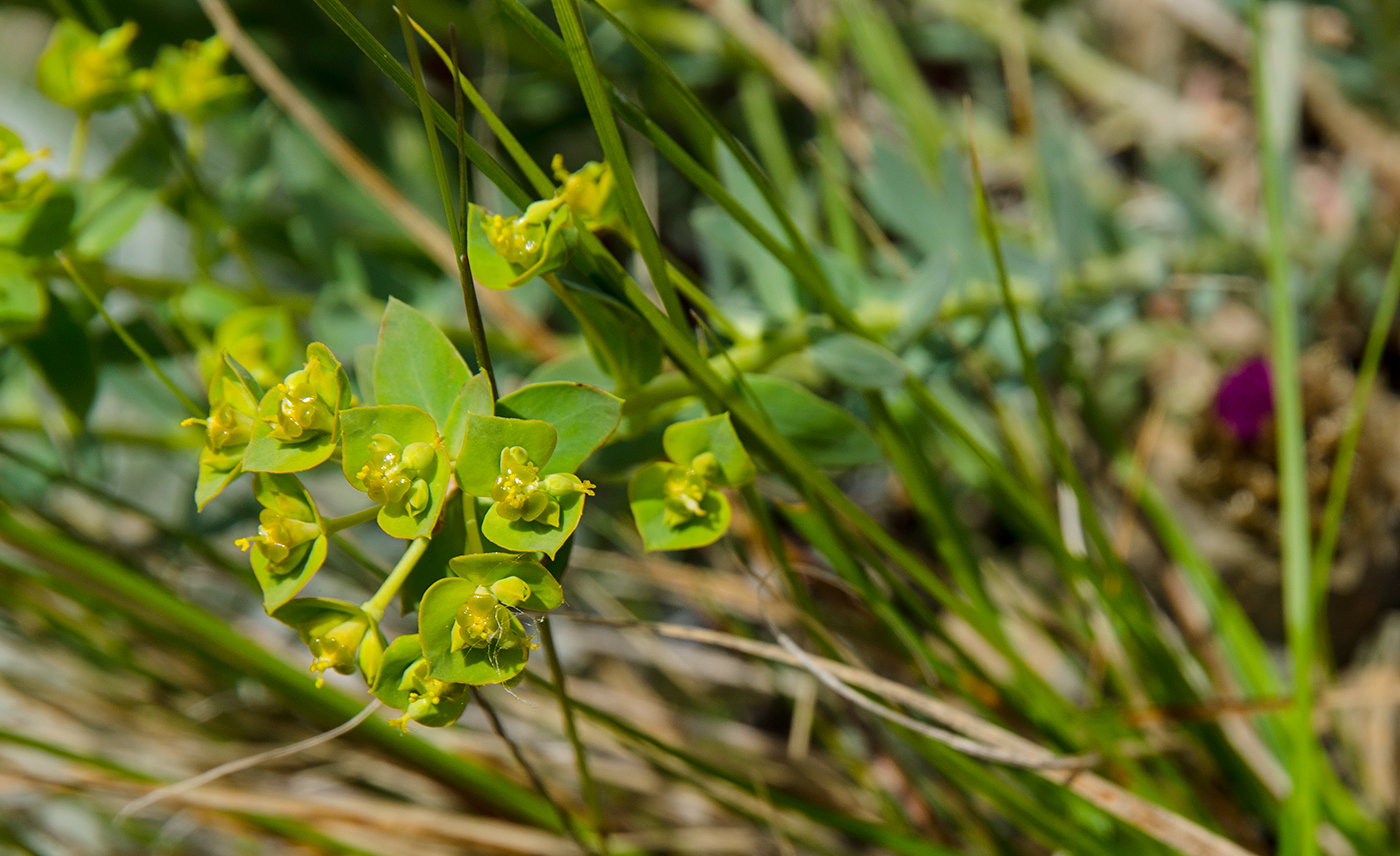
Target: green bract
{"type": "Point", "coordinates": [297, 427]}
{"type": "Point", "coordinates": [584, 417]}
{"type": "Point", "coordinates": [589, 194]}
{"type": "Point", "coordinates": [503, 461]}
{"type": "Point", "coordinates": [23, 299]}
{"type": "Point", "coordinates": [19, 193]}
{"type": "Point", "coordinates": [403, 683]}
{"type": "Point", "coordinates": [86, 72]}
{"type": "Point", "coordinates": [394, 454]}
{"type": "Point", "coordinates": [262, 339]}
{"type": "Point", "coordinates": [233, 405]}
{"type": "Point", "coordinates": [414, 363]}
{"type": "Point", "coordinates": [508, 251]}
{"type": "Point", "coordinates": [676, 505]}
{"type": "Point", "coordinates": [469, 636]}
{"type": "Point", "coordinates": [340, 635]}
{"type": "Point", "coordinates": [190, 80]}
{"type": "Point", "coordinates": [290, 545]}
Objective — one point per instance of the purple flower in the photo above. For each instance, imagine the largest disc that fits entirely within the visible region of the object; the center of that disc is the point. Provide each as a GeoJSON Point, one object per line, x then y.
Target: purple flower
{"type": "Point", "coordinates": [1245, 400]}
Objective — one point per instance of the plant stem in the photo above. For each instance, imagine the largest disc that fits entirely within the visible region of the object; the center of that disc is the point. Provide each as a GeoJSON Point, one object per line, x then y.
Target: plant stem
{"type": "Point", "coordinates": [566, 706]}
{"type": "Point", "coordinates": [1299, 832]}
{"type": "Point", "coordinates": [464, 274]}
{"type": "Point", "coordinates": [135, 347]}
{"type": "Point", "coordinates": [565, 818]}
{"type": "Point", "coordinates": [1331, 525]}
{"type": "Point", "coordinates": [79, 150]}
{"type": "Point", "coordinates": [595, 96]}
{"type": "Point", "coordinates": [333, 525]}
{"type": "Point", "coordinates": [376, 605]}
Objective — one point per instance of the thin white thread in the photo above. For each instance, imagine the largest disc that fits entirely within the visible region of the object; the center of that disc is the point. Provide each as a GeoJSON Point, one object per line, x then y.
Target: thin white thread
{"type": "Point", "coordinates": [222, 770]}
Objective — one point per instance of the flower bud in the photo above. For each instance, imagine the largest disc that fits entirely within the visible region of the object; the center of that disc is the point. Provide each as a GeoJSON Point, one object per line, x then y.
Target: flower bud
{"type": "Point", "coordinates": [280, 540]}
{"type": "Point", "coordinates": [562, 484]}
{"type": "Point", "coordinates": [190, 80]}
{"type": "Point", "coordinates": [511, 591]}
{"type": "Point", "coordinates": [17, 193]}
{"type": "Point", "coordinates": [336, 648]}
{"type": "Point", "coordinates": [86, 72]}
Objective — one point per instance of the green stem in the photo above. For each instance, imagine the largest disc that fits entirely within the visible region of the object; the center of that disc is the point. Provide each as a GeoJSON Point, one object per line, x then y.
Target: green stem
{"type": "Point", "coordinates": [333, 525]}
{"type": "Point", "coordinates": [1331, 526]}
{"type": "Point", "coordinates": [464, 273]}
{"type": "Point", "coordinates": [1300, 829]}
{"type": "Point", "coordinates": [614, 152]}
{"type": "Point", "coordinates": [80, 140]}
{"type": "Point", "coordinates": [135, 347]}
{"type": "Point", "coordinates": [566, 706]}
{"type": "Point", "coordinates": [376, 605]}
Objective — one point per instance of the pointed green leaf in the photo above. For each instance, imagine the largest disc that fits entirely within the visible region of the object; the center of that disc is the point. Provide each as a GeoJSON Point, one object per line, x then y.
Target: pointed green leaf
{"type": "Point", "coordinates": [857, 362]}
{"type": "Point", "coordinates": [829, 436]}
{"type": "Point", "coordinates": [23, 299]}
{"type": "Point", "coordinates": [416, 364]}
{"type": "Point", "coordinates": [473, 397]}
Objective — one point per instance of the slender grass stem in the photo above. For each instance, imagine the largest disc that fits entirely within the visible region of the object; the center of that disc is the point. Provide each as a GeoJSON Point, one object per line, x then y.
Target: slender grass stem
{"type": "Point", "coordinates": [376, 605]}
{"type": "Point", "coordinates": [469, 299]}
{"type": "Point", "coordinates": [566, 819]}
{"type": "Point", "coordinates": [1342, 465]}
{"type": "Point", "coordinates": [566, 707]}
{"type": "Point", "coordinates": [134, 346]}
{"type": "Point", "coordinates": [1300, 827]}
{"type": "Point", "coordinates": [335, 524]}
{"type": "Point", "coordinates": [81, 132]}
{"type": "Point", "coordinates": [585, 67]}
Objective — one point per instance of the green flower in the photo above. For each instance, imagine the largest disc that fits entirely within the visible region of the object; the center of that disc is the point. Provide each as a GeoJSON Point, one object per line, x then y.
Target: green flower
{"type": "Point", "coordinates": [398, 475]}
{"type": "Point", "coordinates": [233, 408]}
{"type": "Point", "coordinates": [484, 622]}
{"type": "Point", "coordinates": [504, 460]}
{"type": "Point", "coordinates": [336, 648]}
{"type": "Point", "coordinates": [306, 403]}
{"type": "Point", "coordinates": [290, 545]}
{"type": "Point", "coordinates": [427, 696]}
{"type": "Point", "coordinates": [88, 73]}
{"type": "Point", "coordinates": [340, 635]}
{"type": "Point", "coordinates": [589, 194]}
{"type": "Point", "coordinates": [677, 505]}
{"type": "Point", "coordinates": [405, 681]}
{"type": "Point", "coordinates": [520, 494]}
{"type": "Point", "coordinates": [505, 252]}
{"type": "Point", "coordinates": [190, 80]}
{"type": "Point", "coordinates": [297, 426]}
{"type": "Point", "coordinates": [393, 453]}
{"type": "Point", "coordinates": [19, 193]}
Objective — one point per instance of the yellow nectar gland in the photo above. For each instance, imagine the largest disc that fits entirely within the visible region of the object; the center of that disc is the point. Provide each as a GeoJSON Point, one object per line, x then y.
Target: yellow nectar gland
{"type": "Point", "coordinates": [302, 413]}
{"type": "Point", "coordinates": [520, 240]}
{"type": "Point", "coordinates": [685, 489]}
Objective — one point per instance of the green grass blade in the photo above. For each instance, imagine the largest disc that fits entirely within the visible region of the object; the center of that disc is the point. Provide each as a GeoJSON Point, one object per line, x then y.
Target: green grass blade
{"type": "Point", "coordinates": [590, 80]}
{"type": "Point", "coordinates": [426, 104]}
{"type": "Point", "coordinates": [1300, 827]}
{"type": "Point", "coordinates": [385, 62]}
{"type": "Point", "coordinates": [152, 604]}
{"type": "Point", "coordinates": [1331, 526]}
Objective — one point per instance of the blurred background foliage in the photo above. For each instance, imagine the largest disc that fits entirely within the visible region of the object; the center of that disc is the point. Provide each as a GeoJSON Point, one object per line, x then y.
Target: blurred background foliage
{"type": "Point", "coordinates": [1119, 151]}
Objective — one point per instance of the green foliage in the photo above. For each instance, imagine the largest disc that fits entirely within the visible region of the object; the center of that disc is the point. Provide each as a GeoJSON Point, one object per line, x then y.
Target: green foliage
{"type": "Point", "coordinates": [233, 405]}
{"type": "Point", "coordinates": [291, 545]}
{"type": "Point", "coordinates": [88, 73]}
{"type": "Point", "coordinates": [19, 193]}
{"type": "Point", "coordinates": [297, 425]}
{"type": "Point", "coordinates": [394, 454]}
{"type": "Point", "coordinates": [677, 505]}
{"type": "Point", "coordinates": [506, 252]}
{"type": "Point", "coordinates": [189, 80]}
